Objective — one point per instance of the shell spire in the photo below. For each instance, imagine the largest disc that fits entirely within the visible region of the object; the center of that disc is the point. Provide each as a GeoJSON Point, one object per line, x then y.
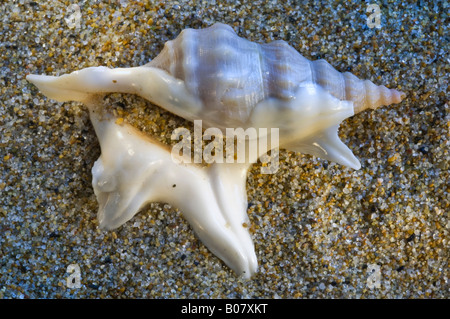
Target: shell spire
{"type": "Point", "coordinates": [347, 87]}
{"type": "Point", "coordinates": [367, 95]}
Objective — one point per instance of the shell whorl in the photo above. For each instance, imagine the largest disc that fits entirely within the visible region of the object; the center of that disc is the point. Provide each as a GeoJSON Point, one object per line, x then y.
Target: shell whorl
{"type": "Point", "coordinates": [210, 62]}
{"type": "Point", "coordinates": [231, 74]}
{"type": "Point", "coordinates": [345, 86]}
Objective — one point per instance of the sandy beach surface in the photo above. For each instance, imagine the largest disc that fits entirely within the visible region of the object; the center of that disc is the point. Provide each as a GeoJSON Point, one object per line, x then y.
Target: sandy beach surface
{"type": "Point", "coordinates": [321, 230]}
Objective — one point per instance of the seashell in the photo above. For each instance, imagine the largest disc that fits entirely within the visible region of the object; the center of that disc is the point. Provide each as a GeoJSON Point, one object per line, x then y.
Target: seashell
{"type": "Point", "coordinates": [215, 76]}
{"type": "Point", "coordinates": [231, 75]}
{"type": "Point", "coordinates": [226, 81]}
{"type": "Point", "coordinates": [135, 169]}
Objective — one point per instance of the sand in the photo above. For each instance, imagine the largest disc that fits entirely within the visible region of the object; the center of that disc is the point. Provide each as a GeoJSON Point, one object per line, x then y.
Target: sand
{"type": "Point", "coordinates": [321, 230]}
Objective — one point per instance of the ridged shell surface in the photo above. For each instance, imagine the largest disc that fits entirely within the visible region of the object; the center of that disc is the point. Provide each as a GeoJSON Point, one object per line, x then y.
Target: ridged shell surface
{"type": "Point", "coordinates": [231, 74]}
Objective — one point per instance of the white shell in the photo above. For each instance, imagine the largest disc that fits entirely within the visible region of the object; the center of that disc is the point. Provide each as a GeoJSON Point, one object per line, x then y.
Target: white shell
{"type": "Point", "coordinates": [134, 170]}
{"type": "Point", "coordinates": [215, 76]}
